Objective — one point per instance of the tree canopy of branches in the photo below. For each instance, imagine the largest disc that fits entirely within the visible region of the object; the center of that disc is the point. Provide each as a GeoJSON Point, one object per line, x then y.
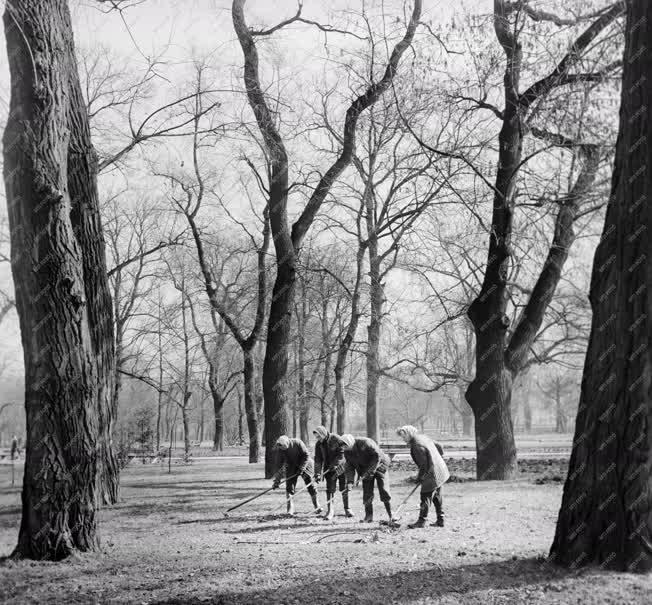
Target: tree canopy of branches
{"type": "Point", "coordinates": [288, 240]}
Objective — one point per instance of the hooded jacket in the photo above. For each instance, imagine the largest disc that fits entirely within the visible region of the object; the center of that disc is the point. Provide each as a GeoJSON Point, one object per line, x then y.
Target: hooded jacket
{"type": "Point", "coordinates": [293, 460]}
{"type": "Point", "coordinates": [366, 458]}
{"type": "Point", "coordinates": [433, 472]}
{"type": "Point", "coordinates": [329, 455]}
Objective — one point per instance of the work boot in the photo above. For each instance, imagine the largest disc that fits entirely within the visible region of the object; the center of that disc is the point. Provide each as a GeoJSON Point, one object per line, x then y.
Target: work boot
{"type": "Point", "coordinates": [368, 514]}
{"type": "Point", "coordinates": [315, 503]}
{"type": "Point", "coordinates": [290, 506]}
{"type": "Point", "coordinates": [439, 508]}
{"type": "Point", "coordinates": [330, 513]}
{"type": "Point", "coordinates": [420, 522]}
{"type": "Point", "coordinates": [345, 502]}
{"type": "Point", "coordinates": [388, 508]}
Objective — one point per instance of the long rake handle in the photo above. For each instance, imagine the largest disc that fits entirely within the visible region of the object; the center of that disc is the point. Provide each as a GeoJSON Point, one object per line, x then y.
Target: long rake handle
{"type": "Point", "coordinates": [402, 504]}
{"type": "Point", "coordinates": [269, 489]}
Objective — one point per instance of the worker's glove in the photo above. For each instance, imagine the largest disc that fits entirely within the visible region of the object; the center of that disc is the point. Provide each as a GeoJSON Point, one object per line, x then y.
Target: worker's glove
{"type": "Point", "coordinates": [317, 478]}
{"type": "Point", "coordinates": [276, 484]}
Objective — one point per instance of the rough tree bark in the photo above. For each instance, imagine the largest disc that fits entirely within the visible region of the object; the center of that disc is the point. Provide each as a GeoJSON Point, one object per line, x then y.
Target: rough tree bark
{"type": "Point", "coordinates": [605, 513]}
{"type": "Point", "coordinates": [62, 293]}
{"type": "Point", "coordinates": [287, 241]}
{"type": "Point", "coordinates": [499, 358]}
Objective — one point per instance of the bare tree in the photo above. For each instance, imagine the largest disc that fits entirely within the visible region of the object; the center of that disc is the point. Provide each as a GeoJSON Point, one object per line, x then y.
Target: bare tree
{"type": "Point", "coordinates": [188, 193]}
{"type": "Point", "coordinates": [288, 240]}
{"type": "Point", "coordinates": [502, 353]}
{"type": "Point", "coordinates": [220, 383]}
{"type": "Point", "coordinates": [62, 292]}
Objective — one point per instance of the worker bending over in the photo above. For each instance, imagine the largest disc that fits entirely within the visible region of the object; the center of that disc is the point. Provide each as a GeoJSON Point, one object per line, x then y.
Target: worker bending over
{"type": "Point", "coordinates": [363, 456]}
{"type": "Point", "coordinates": [292, 461]}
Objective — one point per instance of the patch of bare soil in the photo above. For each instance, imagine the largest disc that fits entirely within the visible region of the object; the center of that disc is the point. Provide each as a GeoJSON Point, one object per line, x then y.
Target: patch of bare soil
{"type": "Point", "coordinates": [169, 541]}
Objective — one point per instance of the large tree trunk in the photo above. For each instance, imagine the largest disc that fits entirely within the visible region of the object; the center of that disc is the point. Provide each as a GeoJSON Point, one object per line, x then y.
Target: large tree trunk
{"type": "Point", "coordinates": [489, 395]}
{"type": "Point", "coordinates": [275, 366]}
{"type": "Point", "coordinates": [605, 514]}
{"type": "Point", "coordinates": [251, 405]}
{"type": "Point", "coordinates": [62, 293]}
{"type": "Point", "coordinates": [490, 392]}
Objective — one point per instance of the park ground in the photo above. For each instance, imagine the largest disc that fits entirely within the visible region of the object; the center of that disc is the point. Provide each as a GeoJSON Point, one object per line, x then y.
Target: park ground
{"type": "Point", "coordinates": [168, 541]}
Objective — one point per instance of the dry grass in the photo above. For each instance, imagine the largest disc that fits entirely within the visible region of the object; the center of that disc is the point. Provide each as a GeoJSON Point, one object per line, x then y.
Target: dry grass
{"type": "Point", "coordinates": [168, 541]}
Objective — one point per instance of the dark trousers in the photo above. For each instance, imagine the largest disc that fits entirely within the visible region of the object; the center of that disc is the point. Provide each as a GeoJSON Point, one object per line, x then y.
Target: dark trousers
{"type": "Point", "coordinates": [333, 481]}
{"type": "Point", "coordinates": [291, 484]}
{"type": "Point", "coordinates": [368, 489]}
{"type": "Point", "coordinates": [437, 500]}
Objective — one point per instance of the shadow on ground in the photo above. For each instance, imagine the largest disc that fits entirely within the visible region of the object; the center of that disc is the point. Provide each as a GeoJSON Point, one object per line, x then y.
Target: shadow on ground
{"type": "Point", "coordinates": [457, 583]}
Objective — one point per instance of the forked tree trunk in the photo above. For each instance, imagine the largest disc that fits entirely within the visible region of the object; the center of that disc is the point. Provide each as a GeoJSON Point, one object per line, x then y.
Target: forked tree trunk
{"type": "Point", "coordinates": [605, 515]}
{"type": "Point", "coordinates": [62, 292]}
